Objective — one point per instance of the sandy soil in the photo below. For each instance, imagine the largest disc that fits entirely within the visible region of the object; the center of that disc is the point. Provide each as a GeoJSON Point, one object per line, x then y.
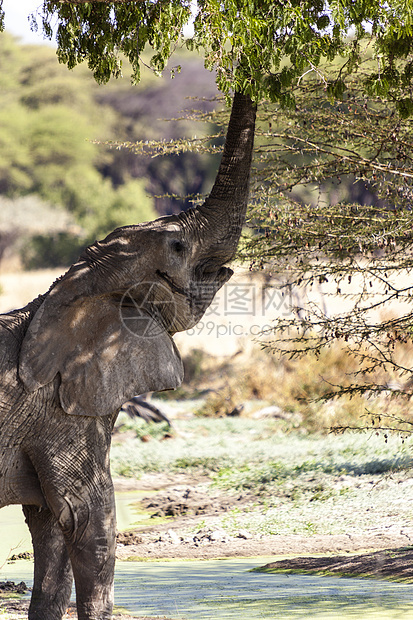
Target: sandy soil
{"type": "Point", "coordinates": [14, 608]}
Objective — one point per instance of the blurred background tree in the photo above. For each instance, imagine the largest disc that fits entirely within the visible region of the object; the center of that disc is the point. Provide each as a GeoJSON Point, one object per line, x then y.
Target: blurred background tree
{"type": "Point", "coordinates": [50, 120]}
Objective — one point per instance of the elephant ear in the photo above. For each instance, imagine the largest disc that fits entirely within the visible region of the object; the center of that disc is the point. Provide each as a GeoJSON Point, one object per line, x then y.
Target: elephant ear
{"type": "Point", "coordinates": [104, 356]}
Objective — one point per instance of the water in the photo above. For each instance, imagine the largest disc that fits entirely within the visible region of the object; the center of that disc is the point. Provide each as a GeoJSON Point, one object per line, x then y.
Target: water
{"type": "Point", "coordinates": [18, 537]}
{"type": "Point", "coordinates": [223, 589]}
{"type": "Point", "coordinates": [227, 590]}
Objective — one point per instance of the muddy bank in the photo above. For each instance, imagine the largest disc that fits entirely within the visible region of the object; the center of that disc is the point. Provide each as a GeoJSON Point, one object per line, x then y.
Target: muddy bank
{"type": "Point", "coordinates": [207, 545]}
{"type": "Point", "coordinates": [381, 553]}
{"type": "Point", "coordinates": [395, 564]}
{"type": "Point", "coordinates": [191, 530]}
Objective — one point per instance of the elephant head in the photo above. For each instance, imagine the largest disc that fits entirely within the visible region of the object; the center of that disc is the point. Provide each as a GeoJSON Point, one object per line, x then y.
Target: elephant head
{"type": "Point", "coordinates": [106, 326]}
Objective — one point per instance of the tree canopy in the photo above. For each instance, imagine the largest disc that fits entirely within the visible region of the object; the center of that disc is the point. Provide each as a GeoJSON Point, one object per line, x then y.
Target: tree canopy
{"type": "Point", "coordinates": [260, 47]}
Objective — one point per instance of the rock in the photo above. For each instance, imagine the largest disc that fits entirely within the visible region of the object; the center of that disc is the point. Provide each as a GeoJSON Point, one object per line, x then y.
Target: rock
{"type": "Point", "coordinates": [10, 586]}
{"type": "Point", "coordinates": [244, 534]}
{"type": "Point", "coordinates": [272, 411]}
{"type": "Point", "coordinates": [176, 540]}
{"type": "Point", "coordinates": [25, 555]}
{"type": "Point", "coordinates": [128, 538]}
{"type": "Point", "coordinates": [207, 536]}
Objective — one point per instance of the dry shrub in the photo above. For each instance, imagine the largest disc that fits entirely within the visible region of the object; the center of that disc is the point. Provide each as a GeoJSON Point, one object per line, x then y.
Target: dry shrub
{"type": "Point", "coordinates": [313, 376]}
{"type": "Point", "coordinates": [222, 403]}
{"type": "Point", "coordinates": [305, 385]}
{"type": "Point", "coordinates": [260, 375]}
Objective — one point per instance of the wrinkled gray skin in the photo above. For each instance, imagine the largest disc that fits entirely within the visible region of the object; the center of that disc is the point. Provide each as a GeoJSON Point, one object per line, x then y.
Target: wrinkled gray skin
{"type": "Point", "coordinates": [69, 359]}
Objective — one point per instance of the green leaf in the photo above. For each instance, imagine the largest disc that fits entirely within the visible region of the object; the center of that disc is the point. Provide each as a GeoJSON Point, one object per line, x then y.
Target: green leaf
{"type": "Point", "coordinates": [249, 37]}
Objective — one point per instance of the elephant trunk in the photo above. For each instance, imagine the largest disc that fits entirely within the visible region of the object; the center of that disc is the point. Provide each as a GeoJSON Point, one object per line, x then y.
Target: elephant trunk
{"type": "Point", "coordinates": [220, 219]}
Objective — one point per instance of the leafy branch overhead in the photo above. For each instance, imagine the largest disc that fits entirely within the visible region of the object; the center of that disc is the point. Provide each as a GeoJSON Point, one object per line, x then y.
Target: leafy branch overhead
{"type": "Point", "coordinates": [262, 48]}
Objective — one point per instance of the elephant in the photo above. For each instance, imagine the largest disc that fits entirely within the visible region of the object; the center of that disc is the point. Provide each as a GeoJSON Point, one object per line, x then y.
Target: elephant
{"type": "Point", "coordinates": [70, 359]}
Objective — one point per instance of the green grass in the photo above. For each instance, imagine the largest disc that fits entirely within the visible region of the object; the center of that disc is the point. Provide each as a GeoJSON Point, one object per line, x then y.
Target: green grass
{"type": "Point", "coordinates": [298, 483]}
{"type": "Point", "coordinates": [248, 453]}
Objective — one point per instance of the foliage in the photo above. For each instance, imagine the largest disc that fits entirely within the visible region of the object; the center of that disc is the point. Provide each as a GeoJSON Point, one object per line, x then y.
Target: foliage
{"type": "Point", "coordinates": [98, 207]}
{"type": "Point", "coordinates": [52, 120]}
{"type": "Point", "coordinates": [48, 121]}
{"type": "Point", "coordinates": [261, 48]}
{"type": "Point", "coordinates": [62, 248]}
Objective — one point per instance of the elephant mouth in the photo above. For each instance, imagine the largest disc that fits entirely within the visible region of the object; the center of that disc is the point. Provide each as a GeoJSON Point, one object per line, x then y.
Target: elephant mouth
{"type": "Point", "coordinates": [173, 307]}
{"type": "Point", "coordinates": [224, 274]}
{"type": "Point", "coordinates": [199, 295]}
{"type": "Point", "coordinates": [172, 285]}
{"type": "Point", "coordinates": [204, 288]}
{"type": "Point", "coordinates": [213, 278]}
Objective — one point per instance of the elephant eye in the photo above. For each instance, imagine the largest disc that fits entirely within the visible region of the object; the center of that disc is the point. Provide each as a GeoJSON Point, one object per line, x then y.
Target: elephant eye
{"type": "Point", "coordinates": [177, 246]}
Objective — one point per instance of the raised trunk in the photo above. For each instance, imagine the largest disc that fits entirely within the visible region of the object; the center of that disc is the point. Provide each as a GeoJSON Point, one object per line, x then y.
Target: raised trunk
{"type": "Point", "coordinates": [221, 217]}
{"type": "Point", "coordinates": [230, 190]}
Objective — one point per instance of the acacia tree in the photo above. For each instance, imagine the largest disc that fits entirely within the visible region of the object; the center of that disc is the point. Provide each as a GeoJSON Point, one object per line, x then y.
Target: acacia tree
{"type": "Point", "coordinates": [331, 211]}
{"type": "Point", "coordinates": [338, 75]}
{"type": "Point", "coordinates": [333, 207]}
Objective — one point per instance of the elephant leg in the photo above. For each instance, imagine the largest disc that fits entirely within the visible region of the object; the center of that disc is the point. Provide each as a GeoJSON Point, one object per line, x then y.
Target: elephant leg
{"type": "Point", "coordinates": [76, 484]}
{"type": "Point", "coordinates": [52, 570]}
{"type": "Point", "coordinates": [89, 531]}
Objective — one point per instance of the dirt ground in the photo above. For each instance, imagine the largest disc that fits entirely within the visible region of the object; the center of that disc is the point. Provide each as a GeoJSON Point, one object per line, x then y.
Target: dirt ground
{"type": "Point", "coordinates": [186, 504]}
{"type": "Point", "coordinates": [190, 532]}
{"type": "Point", "coordinates": [17, 609]}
